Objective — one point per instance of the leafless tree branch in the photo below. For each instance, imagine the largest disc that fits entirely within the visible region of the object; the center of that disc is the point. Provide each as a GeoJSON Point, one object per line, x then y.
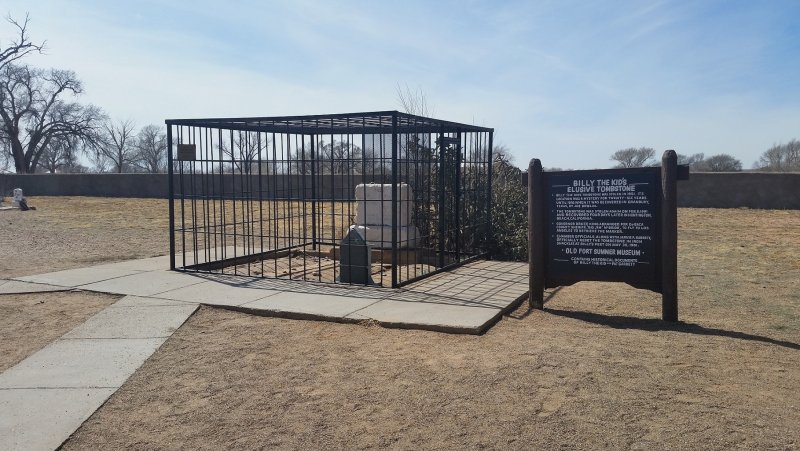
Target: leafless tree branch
{"type": "Point", "coordinates": [20, 47]}
{"type": "Point", "coordinates": [36, 108]}
{"type": "Point", "coordinates": [117, 144]}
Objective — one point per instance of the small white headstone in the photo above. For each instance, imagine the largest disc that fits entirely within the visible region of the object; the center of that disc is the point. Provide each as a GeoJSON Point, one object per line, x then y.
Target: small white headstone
{"type": "Point", "coordinates": [17, 197]}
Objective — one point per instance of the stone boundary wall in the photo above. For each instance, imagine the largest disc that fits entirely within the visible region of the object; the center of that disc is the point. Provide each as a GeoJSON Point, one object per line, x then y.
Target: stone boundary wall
{"type": "Point", "coordinates": [156, 185]}
{"type": "Point", "coordinates": [740, 189]}
{"type": "Point", "coordinates": [703, 189]}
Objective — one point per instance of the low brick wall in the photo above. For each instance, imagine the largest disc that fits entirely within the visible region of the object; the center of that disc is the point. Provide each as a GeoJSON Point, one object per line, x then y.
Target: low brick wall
{"type": "Point", "coordinates": [703, 189]}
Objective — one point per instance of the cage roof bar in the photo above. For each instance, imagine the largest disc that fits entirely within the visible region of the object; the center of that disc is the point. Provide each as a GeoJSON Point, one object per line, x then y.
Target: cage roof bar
{"type": "Point", "coordinates": [373, 122]}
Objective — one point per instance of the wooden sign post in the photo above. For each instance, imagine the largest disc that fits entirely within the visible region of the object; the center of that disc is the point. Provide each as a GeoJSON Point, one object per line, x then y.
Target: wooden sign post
{"type": "Point", "coordinates": [616, 225]}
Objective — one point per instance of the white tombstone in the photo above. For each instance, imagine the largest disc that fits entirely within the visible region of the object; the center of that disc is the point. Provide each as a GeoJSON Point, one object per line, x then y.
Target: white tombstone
{"type": "Point", "coordinates": [374, 215]}
{"type": "Point", "coordinates": [374, 204]}
{"type": "Point", "coordinates": [17, 197]}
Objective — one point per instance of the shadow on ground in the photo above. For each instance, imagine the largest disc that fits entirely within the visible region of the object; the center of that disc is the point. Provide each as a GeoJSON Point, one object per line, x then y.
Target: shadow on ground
{"type": "Point", "coordinates": [490, 284]}
{"type": "Point", "coordinates": [653, 324]}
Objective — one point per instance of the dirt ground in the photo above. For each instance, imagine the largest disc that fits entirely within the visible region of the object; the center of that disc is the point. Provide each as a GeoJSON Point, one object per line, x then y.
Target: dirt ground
{"type": "Point", "coordinates": [595, 369]}
{"type": "Point", "coordinates": [73, 232]}
{"type": "Point", "coordinates": [29, 322]}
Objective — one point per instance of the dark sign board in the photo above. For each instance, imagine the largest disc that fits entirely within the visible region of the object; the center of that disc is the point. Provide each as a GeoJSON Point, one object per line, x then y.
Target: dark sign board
{"type": "Point", "coordinates": [601, 225]}
{"type": "Point", "coordinates": [615, 225]}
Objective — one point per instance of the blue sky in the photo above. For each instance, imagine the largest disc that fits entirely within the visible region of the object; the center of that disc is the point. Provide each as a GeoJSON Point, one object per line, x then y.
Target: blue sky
{"type": "Point", "coordinates": [567, 82]}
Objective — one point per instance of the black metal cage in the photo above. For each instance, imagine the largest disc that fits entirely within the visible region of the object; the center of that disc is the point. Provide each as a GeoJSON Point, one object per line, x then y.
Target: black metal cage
{"type": "Point", "coordinates": [392, 195]}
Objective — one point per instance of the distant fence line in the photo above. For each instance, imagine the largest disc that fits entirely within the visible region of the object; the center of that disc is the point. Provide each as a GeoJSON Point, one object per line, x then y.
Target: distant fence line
{"type": "Point", "coordinates": [703, 189]}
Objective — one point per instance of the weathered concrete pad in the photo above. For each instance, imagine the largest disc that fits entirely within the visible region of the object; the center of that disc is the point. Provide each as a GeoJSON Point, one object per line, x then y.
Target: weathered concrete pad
{"type": "Point", "coordinates": [137, 301]}
{"type": "Point", "coordinates": [144, 284]}
{"type": "Point", "coordinates": [430, 316]}
{"type": "Point", "coordinates": [133, 322]}
{"type": "Point", "coordinates": [141, 264]}
{"type": "Point", "coordinates": [478, 284]}
{"type": "Point", "coordinates": [20, 287]}
{"type": "Point", "coordinates": [80, 276]}
{"type": "Point", "coordinates": [89, 363]}
{"type": "Point", "coordinates": [217, 293]}
{"type": "Point", "coordinates": [42, 419]}
{"type": "Point", "coordinates": [303, 305]}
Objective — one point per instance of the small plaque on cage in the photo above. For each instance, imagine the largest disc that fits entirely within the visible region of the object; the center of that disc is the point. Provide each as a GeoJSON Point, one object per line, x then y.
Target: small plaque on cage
{"type": "Point", "coordinates": [187, 152]}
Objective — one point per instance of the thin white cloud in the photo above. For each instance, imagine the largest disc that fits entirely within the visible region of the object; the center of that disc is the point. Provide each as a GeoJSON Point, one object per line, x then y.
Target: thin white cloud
{"type": "Point", "coordinates": [569, 83]}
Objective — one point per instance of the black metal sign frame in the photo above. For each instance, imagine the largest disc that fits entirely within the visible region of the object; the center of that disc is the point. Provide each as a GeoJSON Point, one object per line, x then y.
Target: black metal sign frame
{"type": "Point", "coordinates": [614, 225]}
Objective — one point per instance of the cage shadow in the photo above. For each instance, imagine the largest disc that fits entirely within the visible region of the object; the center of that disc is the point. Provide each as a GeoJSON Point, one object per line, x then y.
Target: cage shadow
{"type": "Point", "coordinates": [655, 325]}
{"type": "Point", "coordinates": [480, 284]}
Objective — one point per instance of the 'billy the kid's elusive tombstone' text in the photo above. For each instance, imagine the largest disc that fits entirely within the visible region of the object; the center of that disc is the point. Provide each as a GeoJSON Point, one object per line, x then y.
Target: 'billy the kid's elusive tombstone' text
{"type": "Point", "coordinates": [602, 226]}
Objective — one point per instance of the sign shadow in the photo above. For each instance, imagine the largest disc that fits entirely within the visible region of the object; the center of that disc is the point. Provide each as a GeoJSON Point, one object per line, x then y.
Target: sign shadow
{"type": "Point", "coordinates": [653, 325]}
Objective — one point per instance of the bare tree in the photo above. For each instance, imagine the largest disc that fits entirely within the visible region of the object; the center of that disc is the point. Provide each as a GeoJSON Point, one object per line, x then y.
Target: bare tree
{"type": "Point", "coordinates": [502, 154]}
{"type": "Point", "coordinates": [35, 109]}
{"type": "Point", "coordinates": [118, 145]}
{"type": "Point", "coordinates": [19, 47]}
{"type": "Point", "coordinates": [5, 155]}
{"type": "Point", "coordinates": [61, 153]}
{"type": "Point", "coordinates": [151, 149]}
{"type": "Point", "coordinates": [413, 102]}
{"type": "Point", "coordinates": [780, 158]}
{"type": "Point", "coordinates": [339, 157]}
{"type": "Point", "coordinates": [692, 160]}
{"type": "Point", "coordinates": [633, 157]}
{"type": "Point", "coordinates": [244, 150]}
{"type": "Point", "coordinates": [718, 163]}
{"type": "Point", "coordinates": [100, 163]}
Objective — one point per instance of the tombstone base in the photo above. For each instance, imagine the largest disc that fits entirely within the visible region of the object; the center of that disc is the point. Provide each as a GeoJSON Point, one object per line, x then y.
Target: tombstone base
{"type": "Point", "coordinates": [380, 236]}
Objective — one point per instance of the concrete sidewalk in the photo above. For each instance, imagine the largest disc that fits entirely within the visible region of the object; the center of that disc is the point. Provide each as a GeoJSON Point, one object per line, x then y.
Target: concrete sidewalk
{"type": "Point", "coordinates": [47, 396]}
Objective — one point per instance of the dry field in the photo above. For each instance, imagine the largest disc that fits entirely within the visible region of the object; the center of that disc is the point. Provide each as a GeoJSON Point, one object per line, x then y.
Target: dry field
{"type": "Point", "coordinates": [595, 369]}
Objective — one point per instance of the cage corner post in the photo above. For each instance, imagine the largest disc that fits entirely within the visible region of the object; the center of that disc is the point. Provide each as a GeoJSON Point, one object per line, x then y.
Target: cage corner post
{"type": "Point", "coordinates": [171, 201]}
{"type": "Point", "coordinates": [313, 138]}
{"type": "Point", "coordinates": [395, 203]}
{"type": "Point", "coordinates": [489, 186]}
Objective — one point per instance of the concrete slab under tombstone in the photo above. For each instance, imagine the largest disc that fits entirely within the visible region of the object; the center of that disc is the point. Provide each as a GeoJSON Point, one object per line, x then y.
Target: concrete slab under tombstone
{"type": "Point", "coordinates": [467, 299]}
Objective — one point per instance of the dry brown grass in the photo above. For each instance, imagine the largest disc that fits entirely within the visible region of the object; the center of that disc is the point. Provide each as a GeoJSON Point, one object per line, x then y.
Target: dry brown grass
{"type": "Point", "coordinates": [72, 232]}
{"type": "Point", "coordinates": [29, 322]}
{"type": "Point", "coordinates": [595, 369]}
